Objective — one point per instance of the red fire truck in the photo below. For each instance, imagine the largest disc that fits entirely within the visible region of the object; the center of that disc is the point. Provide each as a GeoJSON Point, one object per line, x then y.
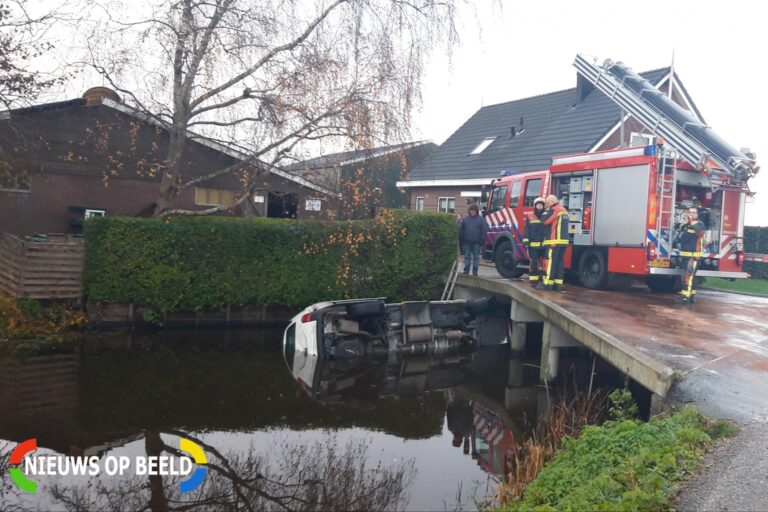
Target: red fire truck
{"type": "Point", "coordinates": [626, 205]}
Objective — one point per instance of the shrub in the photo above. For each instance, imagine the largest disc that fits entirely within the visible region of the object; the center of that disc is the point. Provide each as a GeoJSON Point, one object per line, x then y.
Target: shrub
{"type": "Point", "coordinates": [209, 262]}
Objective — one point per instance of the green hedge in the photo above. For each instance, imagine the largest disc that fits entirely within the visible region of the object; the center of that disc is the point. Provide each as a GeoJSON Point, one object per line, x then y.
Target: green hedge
{"type": "Point", "coordinates": [756, 241]}
{"type": "Point", "coordinates": [185, 264]}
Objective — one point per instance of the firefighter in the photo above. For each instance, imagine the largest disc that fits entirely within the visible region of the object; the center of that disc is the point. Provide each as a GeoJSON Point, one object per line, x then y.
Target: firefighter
{"type": "Point", "coordinates": [533, 237]}
{"type": "Point", "coordinates": [690, 251]}
{"type": "Point", "coordinates": [556, 242]}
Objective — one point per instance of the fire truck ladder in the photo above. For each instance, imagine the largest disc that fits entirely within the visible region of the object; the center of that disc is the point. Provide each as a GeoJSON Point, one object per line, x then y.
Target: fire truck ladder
{"type": "Point", "coordinates": [738, 168]}
{"type": "Point", "coordinates": [667, 190]}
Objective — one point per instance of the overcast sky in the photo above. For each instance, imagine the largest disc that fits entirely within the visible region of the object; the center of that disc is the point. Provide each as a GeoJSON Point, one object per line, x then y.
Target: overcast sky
{"type": "Point", "coordinates": [528, 48]}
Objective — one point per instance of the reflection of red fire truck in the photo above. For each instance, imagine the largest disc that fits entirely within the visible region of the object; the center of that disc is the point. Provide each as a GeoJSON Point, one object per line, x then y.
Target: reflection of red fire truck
{"type": "Point", "coordinates": [493, 445]}
{"type": "Point", "coordinates": [626, 205]}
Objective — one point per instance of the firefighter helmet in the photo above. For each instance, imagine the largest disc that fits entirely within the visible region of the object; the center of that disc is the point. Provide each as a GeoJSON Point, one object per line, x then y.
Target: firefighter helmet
{"type": "Point", "coordinates": [539, 200]}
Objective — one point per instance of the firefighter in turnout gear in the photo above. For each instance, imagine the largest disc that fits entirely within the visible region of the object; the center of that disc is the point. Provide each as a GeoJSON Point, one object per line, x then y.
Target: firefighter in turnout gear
{"type": "Point", "coordinates": [556, 243]}
{"type": "Point", "coordinates": [533, 237]}
{"type": "Point", "coordinates": [690, 252]}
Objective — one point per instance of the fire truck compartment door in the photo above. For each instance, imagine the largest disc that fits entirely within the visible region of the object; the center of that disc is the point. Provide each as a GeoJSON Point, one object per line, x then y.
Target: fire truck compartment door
{"type": "Point", "coordinates": [620, 208]}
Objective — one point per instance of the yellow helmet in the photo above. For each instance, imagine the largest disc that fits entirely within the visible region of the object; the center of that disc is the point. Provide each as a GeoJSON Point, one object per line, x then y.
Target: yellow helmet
{"type": "Point", "coordinates": [539, 200]}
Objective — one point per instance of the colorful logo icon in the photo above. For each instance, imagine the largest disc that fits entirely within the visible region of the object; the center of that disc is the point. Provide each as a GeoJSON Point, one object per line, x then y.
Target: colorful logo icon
{"type": "Point", "coordinates": [17, 475]}
{"type": "Point", "coordinates": [198, 455]}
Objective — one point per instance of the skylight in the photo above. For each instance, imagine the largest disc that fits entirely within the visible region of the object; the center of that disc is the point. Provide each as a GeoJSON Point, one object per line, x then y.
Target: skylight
{"type": "Point", "coordinates": [483, 144]}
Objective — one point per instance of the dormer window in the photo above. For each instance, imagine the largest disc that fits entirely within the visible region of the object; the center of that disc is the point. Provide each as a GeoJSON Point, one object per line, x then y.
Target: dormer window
{"type": "Point", "coordinates": [484, 144]}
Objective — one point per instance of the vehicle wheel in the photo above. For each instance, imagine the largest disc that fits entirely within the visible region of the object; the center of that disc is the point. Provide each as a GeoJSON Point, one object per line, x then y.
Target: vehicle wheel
{"type": "Point", "coordinates": [593, 269]}
{"type": "Point", "coordinates": [504, 258]}
{"type": "Point", "coordinates": [662, 284]}
{"type": "Point", "coordinates": [356, 309]}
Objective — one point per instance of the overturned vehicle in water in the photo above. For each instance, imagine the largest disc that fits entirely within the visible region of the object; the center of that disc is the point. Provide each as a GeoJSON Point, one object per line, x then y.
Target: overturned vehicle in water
{"type": "Point", "coordinates": [342, 347]}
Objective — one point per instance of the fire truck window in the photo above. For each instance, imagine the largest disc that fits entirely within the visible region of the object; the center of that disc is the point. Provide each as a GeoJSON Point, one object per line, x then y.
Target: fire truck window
{"type": "Point", "coordinates": [497, 201]}
{"type": "Point", "coordinates": [532, 191]}
{"type": "Point", "coordinates": [514, 200]}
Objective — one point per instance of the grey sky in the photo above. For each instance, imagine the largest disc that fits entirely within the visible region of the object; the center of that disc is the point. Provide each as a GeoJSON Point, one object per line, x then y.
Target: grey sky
{"type": "Point", "coordinates": [524, 49]}
{"type": "Point", "coordinates": [527, 49]}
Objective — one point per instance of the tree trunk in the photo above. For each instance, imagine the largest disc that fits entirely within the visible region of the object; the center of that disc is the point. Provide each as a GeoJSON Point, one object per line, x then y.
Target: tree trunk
{"type": "Point", "coordinates": [153, 445]}
{"type": "Point", "coordinates": [169, 179]}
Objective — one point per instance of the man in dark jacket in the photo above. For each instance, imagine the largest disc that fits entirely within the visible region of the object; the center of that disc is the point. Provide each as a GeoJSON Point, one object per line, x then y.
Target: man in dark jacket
{"type": "Point", "coordinates": [533, 237]}
{"type": "Point", "coordinates": [471, 236]}
{"type": "Point", "coordinates": [690, 252]}
{"type": "Point", "coordinates": [556, 242]}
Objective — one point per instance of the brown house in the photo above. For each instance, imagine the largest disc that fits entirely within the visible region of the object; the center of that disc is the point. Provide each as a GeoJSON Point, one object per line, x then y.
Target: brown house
{"type": "Point", "coordinates": [523, 135]}
{"type": "Point", "coordinates": [366, 179]}
{"type": "Point", "coordinates": [63, 162]}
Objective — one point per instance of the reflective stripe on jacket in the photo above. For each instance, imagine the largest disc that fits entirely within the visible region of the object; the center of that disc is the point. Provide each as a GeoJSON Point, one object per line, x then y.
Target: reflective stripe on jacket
{"type": "Point", "coordinates": [535, 232]}
{"type": "Point", "coordinates": [558, 222]}
{"type": "Point", "coordinates": [690, 239]}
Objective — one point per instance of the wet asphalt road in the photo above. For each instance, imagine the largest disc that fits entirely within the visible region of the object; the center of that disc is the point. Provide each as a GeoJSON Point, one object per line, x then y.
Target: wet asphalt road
{"type": "Point", "coordinates": [718, 348]}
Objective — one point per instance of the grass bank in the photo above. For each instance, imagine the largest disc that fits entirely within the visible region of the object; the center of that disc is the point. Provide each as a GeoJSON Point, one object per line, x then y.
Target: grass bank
{"type": "Point", "coordinates": [755, 286]}
{"type": "Point", "coordinates": [30, 319]}
{"type": "Point", "coordinates": [622, 465]}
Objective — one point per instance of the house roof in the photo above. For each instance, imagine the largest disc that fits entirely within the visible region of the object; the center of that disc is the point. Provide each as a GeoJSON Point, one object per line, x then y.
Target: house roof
{"type": "Point", "coordinates": [351, 157]}
{"type": "Point", "coordinates": [552, 124]}
{"type": "Point", "coordinates": [193, 137]}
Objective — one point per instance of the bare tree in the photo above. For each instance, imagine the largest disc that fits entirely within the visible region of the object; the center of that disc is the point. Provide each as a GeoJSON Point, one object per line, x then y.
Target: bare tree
{"type": "Point", "coordinates": [272, 78]}
{"type": "Point", "coordinates": [21, 41]}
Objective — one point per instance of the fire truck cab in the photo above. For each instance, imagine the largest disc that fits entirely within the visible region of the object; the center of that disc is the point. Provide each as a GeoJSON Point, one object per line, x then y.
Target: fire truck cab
{"type": "Point", "coordinates": [625, 207]}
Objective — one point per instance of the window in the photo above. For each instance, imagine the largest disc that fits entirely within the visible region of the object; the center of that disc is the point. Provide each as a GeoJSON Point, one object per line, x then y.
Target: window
{"type": "Point", "coordinates": [419, 204]}
{"type": "Point", "coordinates": [290, 345]}
{"type": "Point", "coordinates": [91, 213]}
{"type": "Point", "coordinates": [12, 181]}
{"type": "Point", "coordinates": [214, 197]}
{"type": "Point", "coordinates": [498, 201]}
{"type": "Point", "coordinates": [532, 191]}
{"type": "Point", "coordinates": [483, 144]}
{"type": "Point", "coordinates": [514, 199]}
{"type": "Point", "coordinates": [446, 204]}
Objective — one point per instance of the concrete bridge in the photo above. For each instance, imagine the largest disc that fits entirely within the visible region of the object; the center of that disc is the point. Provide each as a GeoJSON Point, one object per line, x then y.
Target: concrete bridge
{"type": "Point", "coordinates": [713, 354]}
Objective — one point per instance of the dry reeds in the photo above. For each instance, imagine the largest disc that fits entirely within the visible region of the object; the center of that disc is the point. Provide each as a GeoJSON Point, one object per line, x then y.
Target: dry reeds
{"type": "Point", "coordinates": [567, 418]}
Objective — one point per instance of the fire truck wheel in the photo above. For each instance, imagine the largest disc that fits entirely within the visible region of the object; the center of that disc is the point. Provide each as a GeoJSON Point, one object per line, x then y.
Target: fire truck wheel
{"type": "Point", "coordinates": [593, 269]}
{"type": "Point", "coordinates": [662, 284]}
{"type": "Point", "coordinates": [505, 261]}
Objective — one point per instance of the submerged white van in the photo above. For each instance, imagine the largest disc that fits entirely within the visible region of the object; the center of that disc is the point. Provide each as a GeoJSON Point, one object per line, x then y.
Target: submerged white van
{"type": "Point", "coordinates": [332, 346]}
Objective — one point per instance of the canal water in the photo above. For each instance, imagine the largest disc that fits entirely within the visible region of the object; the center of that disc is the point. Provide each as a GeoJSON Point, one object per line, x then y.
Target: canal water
{"type": "Point", "coordinates": [125, 396]}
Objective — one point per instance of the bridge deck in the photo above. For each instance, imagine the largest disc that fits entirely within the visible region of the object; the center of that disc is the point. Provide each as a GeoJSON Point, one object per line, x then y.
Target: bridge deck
{"type": "Point", "coordinates": [718, 347]}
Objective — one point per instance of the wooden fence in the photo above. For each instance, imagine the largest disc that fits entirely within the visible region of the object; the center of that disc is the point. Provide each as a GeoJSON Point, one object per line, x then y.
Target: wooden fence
{"type": "Point", "coordinates": [50, 269]}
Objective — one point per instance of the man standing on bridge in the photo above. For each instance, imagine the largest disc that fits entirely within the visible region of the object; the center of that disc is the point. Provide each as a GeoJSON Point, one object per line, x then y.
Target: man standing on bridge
{"type": "Point", "coordinates": [556, 243]}
{"type": "Point", "coordinates": [690, 251]}
{"type": "Point", "coordinates": [471, 236]}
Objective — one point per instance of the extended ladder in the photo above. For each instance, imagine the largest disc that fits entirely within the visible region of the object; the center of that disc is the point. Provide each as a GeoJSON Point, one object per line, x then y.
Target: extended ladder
{"type": "Point", "coordinates": [451, 282]}
{"type": "Point", "coordinates": [738, 166]}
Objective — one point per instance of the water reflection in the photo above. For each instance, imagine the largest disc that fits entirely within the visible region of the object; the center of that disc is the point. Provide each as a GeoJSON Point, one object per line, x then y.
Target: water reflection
{"type": "Point", "coordinates": [269, 445]}
{"type": "Point", "coordinates": [311, 475]}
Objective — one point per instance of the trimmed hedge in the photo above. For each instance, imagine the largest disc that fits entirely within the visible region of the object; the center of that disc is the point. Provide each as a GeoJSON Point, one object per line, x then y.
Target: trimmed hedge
{"type": "Point", "coordinates": [756, 241]}
{"type": "Point", "coordinates": [194, 264]}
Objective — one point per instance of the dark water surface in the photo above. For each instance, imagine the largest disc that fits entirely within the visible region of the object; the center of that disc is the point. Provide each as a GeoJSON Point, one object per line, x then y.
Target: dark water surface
{"type": "Point", "coordinates": [268, 445]}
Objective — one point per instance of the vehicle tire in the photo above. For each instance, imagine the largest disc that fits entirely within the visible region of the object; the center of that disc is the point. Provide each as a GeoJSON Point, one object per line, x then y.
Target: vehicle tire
{"type": "Point", "coordinates": [662, 284]}
{"type": "Point", "coordinates": [504, 258]}
{"type": "Point", "coordinates": [593, 269]}
{"type": "Point", "coordinates": [375, 307]}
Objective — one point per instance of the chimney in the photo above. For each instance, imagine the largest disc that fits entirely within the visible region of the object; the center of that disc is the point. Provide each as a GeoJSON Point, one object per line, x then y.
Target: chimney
{"type": "Point", "coordinates": [583, 88]}
{"type": "Point", "coordinates": [95, 95]}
